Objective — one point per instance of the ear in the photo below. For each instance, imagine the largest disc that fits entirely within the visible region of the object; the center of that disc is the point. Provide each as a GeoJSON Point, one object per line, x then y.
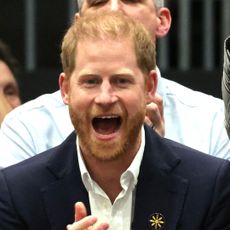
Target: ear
{"type": "Point", "coordinates": [151, 86]}
{"type": "Point", "coordinates": [64, 87]}
{"type": "Point", "coordinates": [164, 22]}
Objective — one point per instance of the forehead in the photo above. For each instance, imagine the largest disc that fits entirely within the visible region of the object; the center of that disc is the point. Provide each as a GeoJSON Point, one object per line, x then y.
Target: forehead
{"type": "Point", "coordinates": [84, 4]}
{"type": "Point", "coordinates": [106, 46]}
{"type": "Point", "coordinates": [108, 56]}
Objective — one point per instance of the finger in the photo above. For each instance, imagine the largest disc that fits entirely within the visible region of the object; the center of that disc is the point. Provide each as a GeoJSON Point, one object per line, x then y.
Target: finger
{"type": "Point", "coordinates": [159, 102]}
{"type": "Point", "coordinates": [100, 226]}
{"type": "Point", "coordinates": [157, 123]}
{"type": "Point", "coordinates": [82, 224]}
{"type": "Point", "coordinates": [160, 126]}
{"type": "Point", "coordinates": [148, 121]}
{"type": "Point", "coordinates": [77, 16]}
{"type": "Point", "coordinates": [80, 211]}
{"type": "Point", "coordinates": [154, 115]}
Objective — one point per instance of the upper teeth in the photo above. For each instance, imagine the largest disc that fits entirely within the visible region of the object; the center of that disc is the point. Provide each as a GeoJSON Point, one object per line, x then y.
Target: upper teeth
{"type": "Point", "coordinates": [108, 117]}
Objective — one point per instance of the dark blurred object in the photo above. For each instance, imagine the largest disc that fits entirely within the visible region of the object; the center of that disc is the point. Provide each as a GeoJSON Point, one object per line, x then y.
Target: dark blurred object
{"type": "Point", "coordinates": [39, 82]}
{"type": "Point", "coordinates": [208, 82]}
{"type": "Point", "coordinates": [226, 83]}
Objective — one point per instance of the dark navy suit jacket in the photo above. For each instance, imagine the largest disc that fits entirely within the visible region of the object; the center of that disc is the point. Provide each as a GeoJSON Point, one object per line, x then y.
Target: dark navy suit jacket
{"type": "Point", "coordinates": [185, 189]}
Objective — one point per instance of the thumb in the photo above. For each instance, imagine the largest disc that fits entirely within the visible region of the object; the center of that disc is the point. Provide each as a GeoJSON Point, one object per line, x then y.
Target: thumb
{"type": "Point", "coordinates": [80, 211]}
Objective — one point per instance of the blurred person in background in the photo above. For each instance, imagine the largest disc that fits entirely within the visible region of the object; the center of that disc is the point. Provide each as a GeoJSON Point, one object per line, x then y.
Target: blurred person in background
{"type": "Point", "coordinates": [9, 89]}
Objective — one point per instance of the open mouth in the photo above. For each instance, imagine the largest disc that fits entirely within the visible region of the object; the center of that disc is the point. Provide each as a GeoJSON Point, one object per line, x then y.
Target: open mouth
{"type": "Point", "coordinates": [106, 124]}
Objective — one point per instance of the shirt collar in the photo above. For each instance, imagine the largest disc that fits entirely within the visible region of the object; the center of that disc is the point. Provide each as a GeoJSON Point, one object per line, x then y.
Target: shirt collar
{"type": "Point", "coordinates": [131, 174]}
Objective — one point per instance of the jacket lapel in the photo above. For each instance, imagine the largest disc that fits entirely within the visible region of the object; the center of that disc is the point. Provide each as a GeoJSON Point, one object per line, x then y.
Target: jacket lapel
{"type": "Point", "coordinates": [68, 187]}
{"type": "Point", "coordinates": [160, 193]}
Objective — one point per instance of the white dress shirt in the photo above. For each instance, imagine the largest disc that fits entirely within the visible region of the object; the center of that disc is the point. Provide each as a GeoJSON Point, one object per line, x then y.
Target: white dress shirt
{"type": "Point", "coordinates": [120, 212]}
{"type": "Point", "coordinates": [191, 118]}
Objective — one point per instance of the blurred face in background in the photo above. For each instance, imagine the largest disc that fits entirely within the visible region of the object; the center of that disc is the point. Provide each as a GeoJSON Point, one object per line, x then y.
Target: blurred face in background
{"type": "Point", "coordinates": [156, 21]}
{"type": "Point", "coordinates": [9, 90]}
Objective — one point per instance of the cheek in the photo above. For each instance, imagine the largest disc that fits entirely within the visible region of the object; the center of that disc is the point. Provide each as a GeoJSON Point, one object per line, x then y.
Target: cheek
{"type": "Point", "coordinates": [148, 20]}
{"type": "Point", "coordinates": [79, 100]}
{"type": "Point", "coordinates": [135, 102]}
{"type": "Point", "coordinates": [14, 102]}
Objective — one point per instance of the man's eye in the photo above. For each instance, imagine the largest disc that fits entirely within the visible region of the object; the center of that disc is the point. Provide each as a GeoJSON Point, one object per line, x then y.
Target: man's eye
{"type": "Point", "coordinates": [10, 91]}
{"type": "Point", "coordinates": [96, 2]}
{"type": "Point", "coordinates": [91, 82]}
{"type": "Point", "coordinates": [131, 1]}
{"type": "Point", "coordinates": [122, 81]}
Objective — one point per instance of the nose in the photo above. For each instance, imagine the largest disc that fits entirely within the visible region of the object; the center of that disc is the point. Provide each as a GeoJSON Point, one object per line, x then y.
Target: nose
{"type": "Point", "coordinates": [106, 95]}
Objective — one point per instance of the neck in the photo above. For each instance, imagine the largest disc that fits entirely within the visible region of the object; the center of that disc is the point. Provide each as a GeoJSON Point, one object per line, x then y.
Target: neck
{"type": "Point", "coordinates": [107, 173]}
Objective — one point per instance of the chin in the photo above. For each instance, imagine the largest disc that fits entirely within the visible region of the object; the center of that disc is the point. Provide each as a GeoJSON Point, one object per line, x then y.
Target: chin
{"type": "Point", "coordinates": [107, 151]}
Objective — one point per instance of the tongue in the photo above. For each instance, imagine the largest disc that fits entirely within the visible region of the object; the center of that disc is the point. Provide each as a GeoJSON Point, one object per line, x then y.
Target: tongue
{"type": "Point", "coordinates": [105, 126]}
